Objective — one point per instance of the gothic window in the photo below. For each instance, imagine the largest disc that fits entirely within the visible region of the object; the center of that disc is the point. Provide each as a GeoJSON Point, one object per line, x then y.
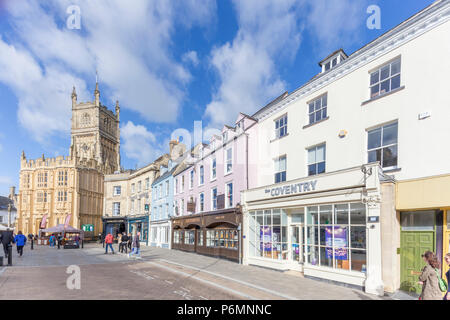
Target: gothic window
{"type": "Point", "coordinates": [85, 120]}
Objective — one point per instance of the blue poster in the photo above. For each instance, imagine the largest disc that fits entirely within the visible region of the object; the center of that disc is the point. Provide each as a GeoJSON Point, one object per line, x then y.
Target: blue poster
{"type": "Point", "coordinates": [265, 235]}
{"type": "Point", "coordinates": [340, 243]}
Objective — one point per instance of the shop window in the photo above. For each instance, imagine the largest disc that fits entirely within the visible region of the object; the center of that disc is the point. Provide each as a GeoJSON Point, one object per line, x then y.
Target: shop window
{"type": "Point", "coordinates": [382, 145]}
{"type": "Point", "coordinates": [336, 236]}
{"type": "Point", "coordinates": [223, 238]}
{"type": "Point", "coordinates": [268, 236]}
{"type": "Point", "coordinates": [177, 237]}
{"type": "Point", "coordinates": [189, 237]}
{"type": "Point", "coordinates": [200, 237]}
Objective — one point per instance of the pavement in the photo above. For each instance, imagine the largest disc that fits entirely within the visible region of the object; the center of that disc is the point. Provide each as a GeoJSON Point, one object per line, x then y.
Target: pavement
{"type": "Point", "coordinates": [47, 273]}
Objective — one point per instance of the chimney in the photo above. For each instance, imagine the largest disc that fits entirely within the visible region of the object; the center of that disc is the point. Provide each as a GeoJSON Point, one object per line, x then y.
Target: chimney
{"type": "Point", "coordinates": [172, 144]}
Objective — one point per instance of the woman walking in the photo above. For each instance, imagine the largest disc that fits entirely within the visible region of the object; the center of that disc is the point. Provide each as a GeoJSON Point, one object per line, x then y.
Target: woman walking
{"type": "Point", "coordinates": [447, 261]}
{"type": "Point", "coordinates": [429, 278]}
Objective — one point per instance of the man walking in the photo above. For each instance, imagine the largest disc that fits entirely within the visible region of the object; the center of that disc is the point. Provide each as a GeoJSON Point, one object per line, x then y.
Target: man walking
{"type": "Point", "coordinates": [7, 239]}
{"type": "Point", "coordinates": [108, 243]}
{"type": "Point", "coordinates": [124, 243]}
{"type": "Point", "coordinates": [20, 241]}
{"type": "Point", "coordinates": [136, 245]}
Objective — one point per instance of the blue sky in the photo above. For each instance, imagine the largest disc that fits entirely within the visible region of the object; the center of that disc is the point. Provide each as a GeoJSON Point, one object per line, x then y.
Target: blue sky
{"type": "Point", "coordinates": [169, 63]}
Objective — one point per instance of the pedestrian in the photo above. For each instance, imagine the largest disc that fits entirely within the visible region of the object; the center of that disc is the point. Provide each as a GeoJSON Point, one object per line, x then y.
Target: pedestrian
{"type": "Point", "coordinates": [447, 261]}
{"type": "Point", "coordinates": [7, 239]}
{"type": "Point", "coordinates": [136, 245]}
{"type": "Point", "coordinates": [429, 279]}
{"type": "Point", "coordinates": [51, 240]}
{"type": "Point", "coordinates": [130, 241]}
{"type": "Point", "coordinates": [108, 242]}
{"type": "Point", "coordinates": [59, 240]}
{"type": "Point", "coordinates": [20, 241]}
{"type": "Point", "coordinates": [124, 243]}
{"type": "Point", "coordinates": [77, 240]}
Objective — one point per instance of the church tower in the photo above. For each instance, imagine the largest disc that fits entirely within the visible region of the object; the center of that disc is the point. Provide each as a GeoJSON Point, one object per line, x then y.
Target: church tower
{"type": "Point", "coordinates": [95, 132]}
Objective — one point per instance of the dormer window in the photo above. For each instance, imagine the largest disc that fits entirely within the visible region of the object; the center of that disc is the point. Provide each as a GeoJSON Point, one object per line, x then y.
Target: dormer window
{"type": "Point", "coordinates": [333, 60]}
{"type": "Point", "coordinates": [225, 137]}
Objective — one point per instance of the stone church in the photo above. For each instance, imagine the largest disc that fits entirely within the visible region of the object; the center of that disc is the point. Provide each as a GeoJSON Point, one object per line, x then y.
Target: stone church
{"type": "Point", "coordinates": [55, 189]}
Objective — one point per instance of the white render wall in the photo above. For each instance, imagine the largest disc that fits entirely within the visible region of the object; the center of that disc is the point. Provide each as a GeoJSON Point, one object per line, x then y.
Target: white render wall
{"type": "Point", "coordinates": [422, 144]}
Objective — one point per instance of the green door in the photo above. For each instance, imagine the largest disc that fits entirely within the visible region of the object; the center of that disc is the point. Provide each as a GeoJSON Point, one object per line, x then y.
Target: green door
{"type": "Point", "coordinates": [413, 245]}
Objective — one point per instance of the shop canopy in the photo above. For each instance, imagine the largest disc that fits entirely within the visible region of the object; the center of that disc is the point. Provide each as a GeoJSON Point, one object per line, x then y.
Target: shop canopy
{"type": "Point", "coordinates": [60, 228]}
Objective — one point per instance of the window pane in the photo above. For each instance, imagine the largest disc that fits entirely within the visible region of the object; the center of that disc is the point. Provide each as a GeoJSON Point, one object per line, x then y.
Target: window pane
{"type": "Point", "coordinates": [374, 91]}
{"type": "Point", "coordinates": [283, 176]}
{"type": "Point", "coordinates": [389, 157]}
{"type": "Point", "coordinates": [312, 235]}
{"type": "Point", "coordinates": [267, 218]}
{"type": "Point", "coordinates": [384, 74]}
{"type": "Point", "coordinates": [384, 87]}
{"type": "Point", "coordinates": [325, 214]}
{"type": "Point", "coordinates": [374, 77]}
{"type": "Point", "coordinates": [276, 219]}
{"type": "Point", "coordinates": [358, 258]}
{"type": "Point", "coordinates": [324, 113]}
{"type": "Point", "coordinates": [312, 216]}
{"type": "Point", "coordinates": [318, 104]}
{"type": "Point", "coordinates": [417, 221]}
{"type": "Point", "coordinates": [282, 164]}
{"type": "Point", "coordinates": [395, 82]}
{"type": "Point", "coordinates": [311, 118]}
{"type": "Point", "coordinates": [374, 137]}
{"type": "Point", "coordinates": [357, 213]}
{"type": "Point", "coordinates": [312, 170]}
{"type": "Point", "coordinates": [375, 156]}
{"type": "Point", "coordinates": [311, 107]}
{"type": "Point", "coordinates": [341, 214]}
{"type": "Point", "coordinates": [324, 100]}
{"type": "Point", "coordinates": [312, 156]}
{"type": "Point", "coordinates": [326, 255]}
{"type": "Point", "coordinates": [312, 255]}
{"type": "Point", "coordinates": [320, 156]}
{"type": "Point", "coordinates": [395, 67]}
{"type": "Point", "coordinates": [321, 167]}
{"type": "Point", "coordinates": [325, 236]}
{"type": "Point", "coordinates": [318, 116]}
{"type": "Point", "coordinates": [358, 237]}
{"type": "Point", "coordinates": [390, 134]}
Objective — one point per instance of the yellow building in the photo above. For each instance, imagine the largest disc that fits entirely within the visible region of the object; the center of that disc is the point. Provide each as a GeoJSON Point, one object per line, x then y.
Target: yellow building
{"type": "Point", "coordinates": [56, 188]}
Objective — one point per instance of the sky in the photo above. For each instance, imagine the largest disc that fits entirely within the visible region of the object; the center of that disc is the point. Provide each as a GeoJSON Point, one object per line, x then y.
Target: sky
{"type": "Point", "coordinates": [169, 63]}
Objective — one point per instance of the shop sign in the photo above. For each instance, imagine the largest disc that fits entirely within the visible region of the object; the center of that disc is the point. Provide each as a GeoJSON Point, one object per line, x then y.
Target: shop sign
{"type": "Point", "coordinates": [340, 243]}
{"type": "Point", "coordinates": [87, 227]}
{"type": "Point", "coordinates": [293, 188]}
{"type": "Point", "coordinates": [191, 206]}
{"type": "Point", "coordinates": [220, 201]}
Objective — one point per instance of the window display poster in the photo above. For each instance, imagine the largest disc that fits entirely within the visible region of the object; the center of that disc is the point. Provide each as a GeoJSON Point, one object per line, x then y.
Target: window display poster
{"type": "Point", "coordinates": [265, 235]}
{"type": "Point", "coordinates": [340, 243]}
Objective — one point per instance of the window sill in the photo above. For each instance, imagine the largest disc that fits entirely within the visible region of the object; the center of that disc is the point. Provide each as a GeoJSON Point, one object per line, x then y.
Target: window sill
{"type": "Point", "coordinates": [313, 124]}
{"type": "Point", "coordinates": [227, 174]}
{"type": "Point", "coordinates": [392, 170]}
{"type": "Point", "coordinates": [279, 138]}
{"type": "Point", "coordinates": [383, 95]}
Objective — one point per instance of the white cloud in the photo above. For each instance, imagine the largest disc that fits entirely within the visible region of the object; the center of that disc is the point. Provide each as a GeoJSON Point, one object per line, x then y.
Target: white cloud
{"type": "Point", "coordinates": [335, 23]}
{"type": "Point", "coordinates": [5, 180]}
{"type": "Point", "coordinates": [130, 45]}
{"type": "Point", "coordinates": [246, 67]}
{"type": "Point", "coordinates": [140, 144]}
{"type": "Point", "coordinates": [191, 57]}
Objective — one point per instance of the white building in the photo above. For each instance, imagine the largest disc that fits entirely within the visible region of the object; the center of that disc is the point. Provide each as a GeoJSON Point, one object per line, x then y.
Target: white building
{"type": "Point", "coordinates": [319, 202]}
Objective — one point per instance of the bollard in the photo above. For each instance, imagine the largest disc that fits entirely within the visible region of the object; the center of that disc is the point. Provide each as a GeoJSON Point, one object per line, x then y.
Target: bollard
{"type": "Point", "coordinates": [82, 244]}
{"type": "Point", "coordinates": [9, 255]}
{"type": "Point", "coordinates": [32, 242]}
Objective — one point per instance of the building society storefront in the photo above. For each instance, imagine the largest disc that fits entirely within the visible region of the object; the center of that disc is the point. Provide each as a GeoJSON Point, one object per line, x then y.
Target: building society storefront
{"type": "Point", "coordinates": [326, 226]}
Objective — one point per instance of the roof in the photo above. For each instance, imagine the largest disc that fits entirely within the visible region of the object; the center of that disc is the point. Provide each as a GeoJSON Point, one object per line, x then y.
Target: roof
{"type": "Point", "coordinates": [164, 176]}
{"type": "Point", "coordinates": [4, 202]}
{"type": "Point", "coordinates": [273, 102]}
{"type": "Point", "coordinates": [333, 54]}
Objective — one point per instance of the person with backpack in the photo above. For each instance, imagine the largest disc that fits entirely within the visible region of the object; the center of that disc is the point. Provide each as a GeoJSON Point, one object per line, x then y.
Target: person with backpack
{"type": "Point", "coordinates": [20, 241]}
{"type": "Point", "coordinates": [447, 261]}
{"type": "Point", "coordinates": [429, 279]}
{"type": "Point", "coordinates": [124, 243]}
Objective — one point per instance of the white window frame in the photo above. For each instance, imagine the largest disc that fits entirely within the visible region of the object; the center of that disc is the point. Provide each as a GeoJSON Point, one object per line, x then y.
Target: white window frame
{"type": "Point", "coordinates": [390, 78]}
{"type": "Point", "coordinates": [116, 209]}
{"type": "Point", "coordinates": [115, 188]}
{"type": "Point", "coordinates": [212, 198]}
{"type": "Point", "coordinates": [227, 204]}
{"type": "Point", "coordinates": [201, 202]}
{"type": "Point", "coordinates": [201, 175]}
{"type": "Point", "coordinates": [316, 162]}
{"type": "Point", "coordinates": [191, 179]}
{"type": "Point", "coordinates": [322, 110]}
{"type": "Point", "coordinates": [230, 160]}
{"type": "Point", "coordinates": [279, 128]}
{"type": "Point", "coordinates": [277, 166]}
{"type": "Point", "coordinates": [213, 168]}
{"type": "Point", "coordinates": [382, 146]}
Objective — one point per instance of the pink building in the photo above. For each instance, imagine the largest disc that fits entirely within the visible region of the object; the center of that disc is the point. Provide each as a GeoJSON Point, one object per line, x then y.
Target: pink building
{"type": "Point", "coordinates": [207, 194]}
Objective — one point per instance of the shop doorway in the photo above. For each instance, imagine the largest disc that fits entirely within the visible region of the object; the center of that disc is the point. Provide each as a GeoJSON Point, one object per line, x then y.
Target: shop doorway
{"type": "Point", "coordinates": [418, 234]}
{"type": "Point", "coordinates": [296, 252]}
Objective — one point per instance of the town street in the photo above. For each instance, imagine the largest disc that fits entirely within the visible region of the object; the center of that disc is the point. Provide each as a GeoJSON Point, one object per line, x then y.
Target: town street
{"type": "Point", "coordinates": [160, 274]}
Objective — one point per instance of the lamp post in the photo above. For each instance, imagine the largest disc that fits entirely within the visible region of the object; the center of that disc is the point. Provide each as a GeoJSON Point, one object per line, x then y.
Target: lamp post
{"type": "Point", "coordinates": [9, 215]}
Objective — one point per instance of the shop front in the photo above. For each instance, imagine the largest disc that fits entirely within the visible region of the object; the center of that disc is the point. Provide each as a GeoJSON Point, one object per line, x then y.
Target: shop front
{"type": "Point", "coordinates": [139, 224]}
{"type": "Point", "coordinates": [114, 225]}
{"type": "Point", "coordinates": [423, 209]}
{"type": "Point", "coordinates": [160, 233]}
{"type": "Point", "coordinates": [326, 226]}
{"type": "Point", "coordinates": [214, 234]}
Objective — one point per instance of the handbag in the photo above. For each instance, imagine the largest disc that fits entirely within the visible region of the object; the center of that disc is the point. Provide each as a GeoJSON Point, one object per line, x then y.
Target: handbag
{"type": "Point", "coordinates": [442, 284]}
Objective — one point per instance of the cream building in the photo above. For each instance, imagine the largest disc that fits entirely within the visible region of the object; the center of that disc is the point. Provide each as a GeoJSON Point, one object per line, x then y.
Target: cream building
{"type": "Point", "coordinates": [127, 201]}
{"type": "Point", "coordinates": [349, 173]}
{"type": "Point", "coordinates": [53, 189]}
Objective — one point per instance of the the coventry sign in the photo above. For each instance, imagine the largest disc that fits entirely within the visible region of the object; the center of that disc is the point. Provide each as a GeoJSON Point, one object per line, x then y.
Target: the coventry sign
{"type": "Point", "coordinates": [293, 188]}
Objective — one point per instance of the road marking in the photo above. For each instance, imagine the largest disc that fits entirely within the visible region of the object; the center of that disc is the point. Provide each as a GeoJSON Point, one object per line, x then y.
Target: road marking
{"type": "Point", "coordinates": [170, 282]}
{"type": "Point", "coordinates": [183, 294]}
{"type": "Point", "coordinates": [232, 279]}
{"type": "Point", "coordinates": [203, 298]}
{"type": "Point", "coordinates": [185, 289]}
{"type": "Point", "coordinates": [204, 281]}
{"type": "Point", "coordinates": [142, 274]}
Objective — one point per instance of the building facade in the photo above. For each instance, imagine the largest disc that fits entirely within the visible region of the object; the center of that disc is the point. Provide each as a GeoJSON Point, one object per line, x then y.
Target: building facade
{"type": "Point", "coordinates": [207, 217]}
{"type": "Point", "coordinates": [350, 176]}
{"type": "Point", "coordinates": [55, 189]}
{"type": "Point", "coordinates": [8, 210]}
